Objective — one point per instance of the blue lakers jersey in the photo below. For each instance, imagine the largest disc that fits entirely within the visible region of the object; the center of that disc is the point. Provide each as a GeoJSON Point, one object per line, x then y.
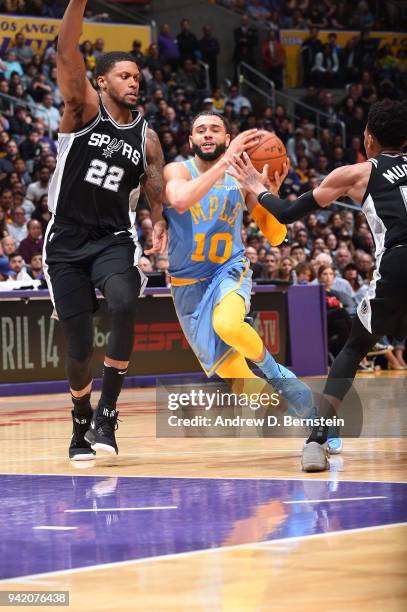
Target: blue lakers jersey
{"type": "Point", "coordinates": [209, 233]}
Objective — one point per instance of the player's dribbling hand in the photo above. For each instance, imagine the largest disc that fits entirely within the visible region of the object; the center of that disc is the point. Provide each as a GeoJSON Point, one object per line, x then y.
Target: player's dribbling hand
{"type": "Point", "coordinates": [243, 141]}
{"type": "Point", "coordinates": [160, 239]}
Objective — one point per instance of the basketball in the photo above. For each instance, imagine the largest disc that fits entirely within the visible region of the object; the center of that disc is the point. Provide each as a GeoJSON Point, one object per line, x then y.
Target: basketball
{"type": "Point", "coordinates": [269, 150]}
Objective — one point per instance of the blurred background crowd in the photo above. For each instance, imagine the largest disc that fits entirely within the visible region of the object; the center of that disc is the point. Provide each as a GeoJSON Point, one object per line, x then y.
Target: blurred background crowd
{"type": "Point", "coordinates": [334, 248]}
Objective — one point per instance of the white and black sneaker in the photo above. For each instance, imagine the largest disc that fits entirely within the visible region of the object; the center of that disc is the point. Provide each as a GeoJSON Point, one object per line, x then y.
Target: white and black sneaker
{"type": "Point", "coordinates": [100, 434]}
{"type": "Point", "coordinates": [80, 449]}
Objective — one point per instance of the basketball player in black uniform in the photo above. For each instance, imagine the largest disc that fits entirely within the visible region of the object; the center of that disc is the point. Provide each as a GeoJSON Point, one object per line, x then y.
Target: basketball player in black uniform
{"type": "Point", "coordinates": [105, 154]}
{"type": "Point", "coordinates": [380, 186]}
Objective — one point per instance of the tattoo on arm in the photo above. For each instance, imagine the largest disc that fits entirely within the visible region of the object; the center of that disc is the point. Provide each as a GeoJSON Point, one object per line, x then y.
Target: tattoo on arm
{"type": "Point", "coordinates": [153, 181]}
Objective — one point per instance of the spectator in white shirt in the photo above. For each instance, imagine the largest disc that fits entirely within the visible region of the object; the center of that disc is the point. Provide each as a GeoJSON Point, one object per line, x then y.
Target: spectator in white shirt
{"type": "Point", "coordinates": [237, 100]}
{"type": "Point", "coordinates": [48, 113]}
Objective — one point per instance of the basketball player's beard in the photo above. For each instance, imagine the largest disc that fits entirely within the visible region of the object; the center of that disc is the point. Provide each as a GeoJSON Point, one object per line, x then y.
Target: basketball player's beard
{"type": "Point", "coordinates": [215, 154]}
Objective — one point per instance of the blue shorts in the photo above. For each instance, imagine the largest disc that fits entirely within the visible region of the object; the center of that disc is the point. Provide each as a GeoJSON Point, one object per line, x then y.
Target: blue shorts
{"type": "Point", "coordinates": [195, 304]}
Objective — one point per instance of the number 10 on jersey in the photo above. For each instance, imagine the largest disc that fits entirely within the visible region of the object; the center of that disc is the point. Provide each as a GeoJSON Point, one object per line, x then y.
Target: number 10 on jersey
{"type": "Point", "coordinates": [224, 239]}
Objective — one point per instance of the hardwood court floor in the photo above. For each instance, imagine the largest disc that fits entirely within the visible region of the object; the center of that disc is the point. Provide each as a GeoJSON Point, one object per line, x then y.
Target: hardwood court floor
{"type": "Point", "coordinates": [198, 524]}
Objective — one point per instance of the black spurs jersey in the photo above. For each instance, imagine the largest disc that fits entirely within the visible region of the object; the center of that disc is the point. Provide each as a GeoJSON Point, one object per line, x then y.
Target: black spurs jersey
{"type": "Point", "coordinates": [97, 170]}
{"type": "Point", "coordinates": [385, 201]}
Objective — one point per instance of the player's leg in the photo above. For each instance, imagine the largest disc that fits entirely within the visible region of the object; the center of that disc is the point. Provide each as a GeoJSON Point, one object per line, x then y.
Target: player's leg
{"type": "Point", "coordinates": [230, 325]}
{"type": "Point", "coordinates": [340, 380]}
{"type": "Point", "coordinates": [74, 301]}
{"type": "Point", "coordinates": [121, 292]}
{"type": "Point", "coordinates": [78, 333]}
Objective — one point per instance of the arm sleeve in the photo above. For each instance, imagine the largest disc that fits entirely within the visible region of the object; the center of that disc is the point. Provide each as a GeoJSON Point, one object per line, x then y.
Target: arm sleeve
{"type": "Point", "coordinates": [288, 212]}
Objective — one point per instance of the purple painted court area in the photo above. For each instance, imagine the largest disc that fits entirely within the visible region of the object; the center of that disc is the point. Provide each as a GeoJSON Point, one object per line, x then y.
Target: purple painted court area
{"type": "Point", "coordinates": [120, 519]}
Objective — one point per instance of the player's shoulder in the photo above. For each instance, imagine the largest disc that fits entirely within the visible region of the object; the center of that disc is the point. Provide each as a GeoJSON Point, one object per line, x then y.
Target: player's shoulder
{"type": "Point", "coordinates": [176, 170]}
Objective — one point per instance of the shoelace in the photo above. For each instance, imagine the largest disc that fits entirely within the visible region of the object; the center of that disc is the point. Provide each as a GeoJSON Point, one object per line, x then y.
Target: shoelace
{"type": "Point", "coordinates": [107, 425]}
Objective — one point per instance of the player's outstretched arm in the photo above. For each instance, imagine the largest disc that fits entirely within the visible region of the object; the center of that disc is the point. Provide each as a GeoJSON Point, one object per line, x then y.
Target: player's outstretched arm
{"type": "Point", "coordinates": [348, 180]}
{"type": "Point", "coordinates": [182, 192]}
{"type": "Point", "coordinates": [81, 100]}
{"type": "Point", "coordinates": [153, 186]}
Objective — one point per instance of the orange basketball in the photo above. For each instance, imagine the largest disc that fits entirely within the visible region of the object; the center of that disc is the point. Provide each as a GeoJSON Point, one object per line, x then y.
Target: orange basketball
{"type": "Point", "coordinates": [269, 150]}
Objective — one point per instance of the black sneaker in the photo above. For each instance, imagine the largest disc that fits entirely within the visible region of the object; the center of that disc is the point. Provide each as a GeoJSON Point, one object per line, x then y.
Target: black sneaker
{"type": "Point", "coordinates": [79, 449]}
{"type": "Point", "coordinates": [100, 434]}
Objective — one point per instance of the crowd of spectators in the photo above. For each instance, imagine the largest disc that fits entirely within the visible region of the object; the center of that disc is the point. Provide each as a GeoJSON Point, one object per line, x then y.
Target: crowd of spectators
{"type": "Point", "coordinates": [326, 14]}
{"type": "Point", "coordinates": [334, 248]}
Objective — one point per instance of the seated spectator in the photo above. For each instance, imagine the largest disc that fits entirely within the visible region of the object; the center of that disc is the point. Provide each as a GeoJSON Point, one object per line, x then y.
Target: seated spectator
{"type": "Point", "coordinates": [255, 266]}
{"type": "Point", "coordinates": [99, 50]}
{"type": "Point", "coordinates": [6, 272]}
{"type": "Point", "coordinates": [162, 263]}
{"type": "Point", "coordinates": [33, 243]}
{"type": "Point", "coordinates": [12, 153]}
{"type": "Point", "coordinates": [315, 14]}
{"type": "Point", "coordinates": [145, 265]}
{"type": "Point", "coordinates": [342, 258]}
{"type": "Point", "coordinates": [7, 203]}
{"type": "Point", "coordinates": [17, 229]}
{"type": "Point", "coordinates": [20, 123]}
{"type": "Point", "coordinates": [86, 49]}
{"type": "Point", "coordinates": [271, 265]}
{"type": "Point", "coordinates": [18, 266]}
{"type": "Point", "coordinates": [3, 227]}
{"type": "Point", "coordinates": [35, 270]}
{"type": "Point", "coordinates": [8, 245]}
{"type": "Point", "coordinates": [11, 65]}
{"type": "Point", "coordinates": [237, 100]}
{"type": "Point", "coordinates": [218, 101]}
{"type": "Point", "coordinates": [36, 190]}
{"type": "Point", "coordinates": [189, 78]}
{"type": "Point", "coordinates": [339, 320]}
{"type": "Point", "coordinates": [297, 253]}
{"type": "Point", "coordinates": [48, 113]}
{"type": "Point", "coordinates": [338, 283]}
{"type": "Point", "coordinates": [304, 272]}
{"type": "Point", "coordinates": [257, 11]}
{"type": "Point", "coordinates": [355, 154]}
{"type": "Point", "coordinates": [351, 274]}
{"type": "Point", "coordinates": [23, 52]}
{"type": "Point", "coordinates": [41, 212]}
{"type": "Point", "coordinates": [285, 269]}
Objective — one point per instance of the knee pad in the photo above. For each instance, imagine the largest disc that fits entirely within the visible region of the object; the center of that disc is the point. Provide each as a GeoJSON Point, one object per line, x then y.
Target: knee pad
{"type": "Point", "coordinates": [78, 373]}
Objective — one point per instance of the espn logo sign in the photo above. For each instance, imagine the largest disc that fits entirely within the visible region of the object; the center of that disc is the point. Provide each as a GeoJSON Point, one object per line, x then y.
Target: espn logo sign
{"type": "Point", "coordinates": [267, 325]}
{"type": "Point", "coordinates": [159, 337]}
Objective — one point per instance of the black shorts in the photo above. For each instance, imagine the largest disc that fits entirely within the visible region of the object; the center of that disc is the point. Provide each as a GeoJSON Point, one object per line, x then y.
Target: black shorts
{"type": "Point", "coordinates": [77, 260]}
{"type": "Point", "coordinates": [383, 310]}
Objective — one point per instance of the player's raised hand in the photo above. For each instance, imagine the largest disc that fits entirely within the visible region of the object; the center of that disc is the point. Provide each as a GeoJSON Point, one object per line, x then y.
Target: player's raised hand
{"type": "Point", "coordinates": [242, 142]}
{"type": "Point", "coordinates": [160, 238]}
{"type": "Point", "coordinates": [247, 175]}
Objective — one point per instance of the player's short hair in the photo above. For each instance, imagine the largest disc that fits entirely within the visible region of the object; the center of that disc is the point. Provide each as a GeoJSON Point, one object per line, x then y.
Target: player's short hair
{"type": "Point", "coordinates": [387, 122]}
{"type": "Point", "coordinates": [106, 61]}
{"type": "Point", "coordinates": [210, 113]}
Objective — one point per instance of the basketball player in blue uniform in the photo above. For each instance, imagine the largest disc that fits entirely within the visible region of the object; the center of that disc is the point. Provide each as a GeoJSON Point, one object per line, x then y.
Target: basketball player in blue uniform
{"type": "Point", "coordinates": [380, 186]}
{"type": "Point", "coordinates": [210, 275]}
